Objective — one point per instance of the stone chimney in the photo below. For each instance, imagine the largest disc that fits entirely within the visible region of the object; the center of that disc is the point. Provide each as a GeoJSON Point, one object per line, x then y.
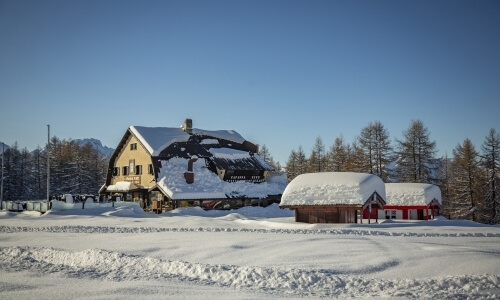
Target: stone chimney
{"type": "Point", "coordinates": [188, 126]}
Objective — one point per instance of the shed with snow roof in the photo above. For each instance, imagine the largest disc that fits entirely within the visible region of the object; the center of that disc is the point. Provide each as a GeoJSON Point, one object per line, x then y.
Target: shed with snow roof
{"type": "Point", "coordinates": [411, 201]}
{"type": "Point", "coordinates": [333, 197]}
{"type": "Point", "coordinates": [183, 166]}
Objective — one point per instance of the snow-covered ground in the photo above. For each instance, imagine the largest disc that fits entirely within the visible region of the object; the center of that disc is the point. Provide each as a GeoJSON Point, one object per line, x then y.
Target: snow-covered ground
{"type": "Point", "coordinates": [250, 253]}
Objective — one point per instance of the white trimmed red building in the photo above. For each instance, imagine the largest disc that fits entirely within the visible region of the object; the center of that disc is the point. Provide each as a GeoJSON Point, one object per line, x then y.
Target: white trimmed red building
{"type": "Point", "coordinates": [411, 201]}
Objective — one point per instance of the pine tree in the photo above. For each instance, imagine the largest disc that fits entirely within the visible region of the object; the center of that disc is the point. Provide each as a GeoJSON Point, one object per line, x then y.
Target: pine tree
{"type": "Point", "coordinates": [266, 155]}
{"type": "Point", "coordinates": [317, 158]}
{"type": "Point", "coordinates": [301, 161]}
{"type": "Point", "coordinates": [56, 167]}
{"type": "Point", "coordinates": [375, 143]}
{"type": "Point", "coordinates": [38, 167]}
{"type": "Point", "coordinates": [383, 151]}
{"type": "Point", "coordinates": [367, 144]}
{"type": "Point", "coordinates": [337, 155]}
{"type": "Point", "coordinates": [415, 155]}
{"type": "Point", "coordinates": [465, 196]}
{"type": "Point", "coordinates": [291, 166]}
{"type": "Point", "coordinates": [356, 159]}
{"type": "Point", "coordinates": [12, 183]}
{"type": "Point", "coordinates": [490, 159]}
{"type": "Point", "coordinates": [26, 182]}
{"type": "Point", "coordinates": [443, 182]}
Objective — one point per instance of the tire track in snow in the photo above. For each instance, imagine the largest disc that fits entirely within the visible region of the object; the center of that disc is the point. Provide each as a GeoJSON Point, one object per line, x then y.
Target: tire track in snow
{"type": "Point", "coordinates": [344, 231]}
{"type": "Point", "coordinates": [100, 264]}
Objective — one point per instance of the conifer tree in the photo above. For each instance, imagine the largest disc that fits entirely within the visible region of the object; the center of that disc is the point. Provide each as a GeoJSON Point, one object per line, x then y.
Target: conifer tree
{"type": "Point", "coordinates": [337, 155]}
{"type": "Point", "coordinates": [26, 182]}
{"type": "Point", "coordinates": [317, 158]}
{"type": "Point", "coordinates": [491, 163]}
{"type": "Point", "coordinates": [301, 161]}
{"type": "Point", "coordinates": [375, 143]}
{"type": "Point", "coordinates": [12, 183]}
{"type": "Point", "coordinates": [291, 166]}
{"type": "Point", "coordinates": [367, 144]}
{"type": "Point", "coordinates": [383, 151]}
{"type": "Point", "coordinates": [444, 178]}
{"type": "Point", "coordinates": [39, 173]}
{"type": "Point", "coordinates": [465, 171]}
{"type": "Point", "coordinates": [416, 155]}
{"type": "Point", "coordinates": [266, 155]}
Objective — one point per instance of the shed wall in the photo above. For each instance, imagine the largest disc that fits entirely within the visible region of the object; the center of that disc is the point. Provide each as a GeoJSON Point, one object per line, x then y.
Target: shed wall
{"type": "Point", "coordinates": [326, 214]}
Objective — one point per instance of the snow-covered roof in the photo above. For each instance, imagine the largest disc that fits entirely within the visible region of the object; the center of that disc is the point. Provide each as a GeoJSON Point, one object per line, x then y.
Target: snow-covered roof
{"type": "Point", "coordinates": [155, 139]}
{"type": "Point", "coordinates": [207, 184]}
{"type": "Point", "coordinates": [332, 188]}
{"type": "Point", "coordinates": [233, 159]}
{"type": "Point", "coordinates": [122, 186]}
{"type": "Point", "coordinates": [411, 193]}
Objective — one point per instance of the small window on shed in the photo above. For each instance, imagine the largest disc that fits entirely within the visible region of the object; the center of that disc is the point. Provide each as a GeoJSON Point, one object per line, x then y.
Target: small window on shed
{"type": "Point", "coordinates": [125, 170]}
{"type": "Point", "coordinates": [150, 169]}
{"type": "Point", "coordinates": [116, 171]}
{"type": "Point", "coordinates": [133, 146]}
{"type": "Point", "coordinates": [138, 169]}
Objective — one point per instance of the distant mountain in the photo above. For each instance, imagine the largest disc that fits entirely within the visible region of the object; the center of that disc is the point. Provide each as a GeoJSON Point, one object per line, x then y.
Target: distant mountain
{"type": "Point", "coordinates": [107, 151]}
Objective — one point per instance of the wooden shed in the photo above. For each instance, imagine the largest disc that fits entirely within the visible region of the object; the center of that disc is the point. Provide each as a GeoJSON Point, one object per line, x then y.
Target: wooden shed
{"type": "Point", "coordinates": [333, 197]}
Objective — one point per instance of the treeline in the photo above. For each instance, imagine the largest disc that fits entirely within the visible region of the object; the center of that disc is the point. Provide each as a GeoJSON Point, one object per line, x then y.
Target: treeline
{"type": "Point", "coordinates": [74, 169]}
{"type": "Point", "coordinates": [469, 180]}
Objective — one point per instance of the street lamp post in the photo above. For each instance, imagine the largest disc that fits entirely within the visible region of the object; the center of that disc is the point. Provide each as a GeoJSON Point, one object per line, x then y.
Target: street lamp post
{"type": "Point", "coordinates": [1, 184]}
{"type": "Point", "coordinates": [48, 164]}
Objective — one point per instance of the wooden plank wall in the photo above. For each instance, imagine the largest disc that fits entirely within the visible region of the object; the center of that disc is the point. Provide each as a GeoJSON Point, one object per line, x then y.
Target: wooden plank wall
{"type": "Point", "coordinates": [327, 214]}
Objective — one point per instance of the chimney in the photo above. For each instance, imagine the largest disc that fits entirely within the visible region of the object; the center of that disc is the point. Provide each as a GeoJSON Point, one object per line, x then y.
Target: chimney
{"type": "Point", "coordinates": [189, 175]}
{"type": "Point", "coordinates": [188, 126]}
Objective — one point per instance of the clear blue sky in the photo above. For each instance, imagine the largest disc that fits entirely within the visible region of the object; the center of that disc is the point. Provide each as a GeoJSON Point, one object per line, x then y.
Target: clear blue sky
{"type": "Point", "coordinates": [280, 73]}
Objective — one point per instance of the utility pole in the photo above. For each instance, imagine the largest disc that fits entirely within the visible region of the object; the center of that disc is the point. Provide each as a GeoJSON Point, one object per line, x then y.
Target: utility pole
{"type": "Point", "coordinates": [1, 184]}
{"type": "Point", "coordinates": [48, 164]}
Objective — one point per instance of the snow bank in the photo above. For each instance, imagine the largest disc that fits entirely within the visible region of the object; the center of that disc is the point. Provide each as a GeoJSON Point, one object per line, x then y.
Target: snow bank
{"type": "Point", "coordinates": [332, 188]}
{"type": "Point", "coordinates": [271, 211]}
{"type": "Point", "coordinates": [110, 266]}
{"type": "Point", "coordinates": [60, 205]}
{"type": "Point", "coordinates": [411, 193]}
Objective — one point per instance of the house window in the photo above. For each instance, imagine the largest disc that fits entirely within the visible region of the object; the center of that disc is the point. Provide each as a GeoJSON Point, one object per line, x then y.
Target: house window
{"type": "Point", "coordinates": [138, 170]}
{"type": "Point", "coordinates": [133, 146]}
{"type": "Point", "coordinates": [116, 171]}
{"type": "Point", "coordinates": [150, 169]}
{"type": "Point", "coordinates": [131, 165]}
{"type": "Point", "coordinates": [125, 170]}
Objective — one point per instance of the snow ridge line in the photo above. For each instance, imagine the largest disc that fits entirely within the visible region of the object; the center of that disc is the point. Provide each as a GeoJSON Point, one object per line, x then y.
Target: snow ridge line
{"type": "Point", "coordinates": [355, 232]}
{"type": "Point", "coordinates": [101, 264]}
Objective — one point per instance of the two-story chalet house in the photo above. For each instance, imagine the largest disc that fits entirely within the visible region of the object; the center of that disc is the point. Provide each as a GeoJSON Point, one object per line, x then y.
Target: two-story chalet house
{"type": "Point", "coordinates": [186, 166]}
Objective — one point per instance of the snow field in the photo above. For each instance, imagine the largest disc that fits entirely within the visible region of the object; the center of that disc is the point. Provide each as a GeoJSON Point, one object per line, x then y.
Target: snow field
{"type": "Point", "coordinates": [99, 264]}
{"type": "Point", "coordinates": [121, 253]}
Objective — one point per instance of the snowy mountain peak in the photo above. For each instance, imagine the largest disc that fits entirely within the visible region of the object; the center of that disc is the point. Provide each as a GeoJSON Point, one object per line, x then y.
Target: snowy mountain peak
{"type": "Point", "coordinates": [107, 151]}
